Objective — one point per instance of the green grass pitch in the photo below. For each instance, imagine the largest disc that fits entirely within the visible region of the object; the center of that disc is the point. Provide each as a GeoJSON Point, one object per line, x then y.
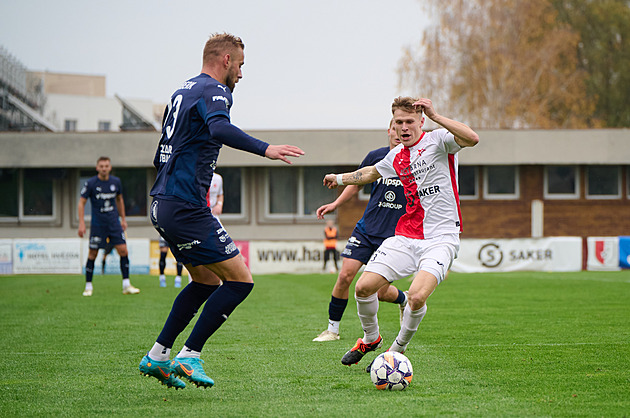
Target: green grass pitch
{"type": "Point", "coordinates": [514, 344]}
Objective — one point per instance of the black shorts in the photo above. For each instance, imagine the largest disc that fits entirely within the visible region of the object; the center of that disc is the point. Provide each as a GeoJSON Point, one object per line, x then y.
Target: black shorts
{"type": "Point", "coordinates": [194, 235]}
{"type": "Point", "coordinates": [361, 246]}
{"type": "Point", "coordinates": [100, 233]}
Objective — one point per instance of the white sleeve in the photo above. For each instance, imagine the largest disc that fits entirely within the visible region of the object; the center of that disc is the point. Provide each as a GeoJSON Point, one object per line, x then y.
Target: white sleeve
{"type": "Point", "coordinates": [448, 139]}
{"type": "Point", "coordinates": [385, 167]}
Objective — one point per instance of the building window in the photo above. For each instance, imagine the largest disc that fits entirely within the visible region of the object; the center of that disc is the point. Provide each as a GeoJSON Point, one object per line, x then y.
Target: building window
{"type": "Point", "coordinates": [70, 125]}
{"type": "Point", "coordinates": [467, 182]}
{"type": "Point", "coordinates": [603, 182]}
{"type": "Point", "coordinates": [562, 182]}
{"type": "Point", "coordinates": [282, 191]}
{"type": "Point", "coordinates": [296, 192]}
{"type": "Point", "coordinates": [501, 182]}
{"type": "Point", "coordinates": [9, 190]}
{"type": "Point", "coordinates": [233, 192]}
{"type": "Point", "coordinates": [104, 126]}
{"type": "Point", "coordinates": [38, 193]}
{"type": "Point", "coordinates": [135, 190]}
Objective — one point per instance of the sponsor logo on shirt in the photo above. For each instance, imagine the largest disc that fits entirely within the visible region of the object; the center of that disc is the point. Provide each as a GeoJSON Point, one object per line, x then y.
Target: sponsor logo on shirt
{"type": "Point", "coordinates": [390, 182]}
{"type": "Point", "coordinates": [165, 152]}
{"type": "Point", "coordinates": [221, 98]}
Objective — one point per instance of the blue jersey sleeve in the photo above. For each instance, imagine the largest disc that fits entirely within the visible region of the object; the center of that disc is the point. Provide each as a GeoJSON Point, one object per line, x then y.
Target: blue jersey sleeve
{"type": "Point", "coordinates": [85, 190]}
{"type": "Point", "coordinates": [230, 135]}
{"type": "Point", "coordinates": [217, 101]}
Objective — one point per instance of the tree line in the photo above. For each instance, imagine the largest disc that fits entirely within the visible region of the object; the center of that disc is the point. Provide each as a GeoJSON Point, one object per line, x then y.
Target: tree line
{"type": "Point", "coordinates": [524, 63]}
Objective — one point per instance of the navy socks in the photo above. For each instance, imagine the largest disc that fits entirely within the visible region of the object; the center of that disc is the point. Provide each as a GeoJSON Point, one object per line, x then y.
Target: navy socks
{"type": "Point", "coordinates": [336, 307]}
{"type": "Point", "coordinates": [89, 270]}
{"type": "Point", "coordinates": [184, 308]}
{"type": "Point", "coordinates": [218, 307]}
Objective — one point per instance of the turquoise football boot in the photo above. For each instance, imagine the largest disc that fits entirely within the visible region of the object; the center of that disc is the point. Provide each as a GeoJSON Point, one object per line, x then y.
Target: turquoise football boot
{"type": "Point", "coordinates": [161, 370]}
{"type": "Point", "coordinates": [191, 369]}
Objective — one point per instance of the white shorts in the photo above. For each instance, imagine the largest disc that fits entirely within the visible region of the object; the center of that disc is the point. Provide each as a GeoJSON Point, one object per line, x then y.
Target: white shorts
{"type": "Point", "coordinates": [399, 257]}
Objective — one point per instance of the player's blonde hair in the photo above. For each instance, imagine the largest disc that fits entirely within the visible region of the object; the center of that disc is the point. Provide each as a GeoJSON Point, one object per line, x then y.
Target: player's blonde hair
{"type": "Point", "coordinates": [219, 44]}
{"type": "Point", "coordinates": [406, 104]}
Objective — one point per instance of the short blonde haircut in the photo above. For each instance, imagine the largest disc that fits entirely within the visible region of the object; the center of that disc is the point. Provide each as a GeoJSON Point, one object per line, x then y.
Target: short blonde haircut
{"type": "Point", "coordinates": [406, 104]}
{"type": "Point", "coordinates": [220, 44]}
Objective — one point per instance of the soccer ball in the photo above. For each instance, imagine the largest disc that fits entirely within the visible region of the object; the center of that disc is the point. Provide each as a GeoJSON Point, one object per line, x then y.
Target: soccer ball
{"type": "Point", "coordinates": [391, 370]}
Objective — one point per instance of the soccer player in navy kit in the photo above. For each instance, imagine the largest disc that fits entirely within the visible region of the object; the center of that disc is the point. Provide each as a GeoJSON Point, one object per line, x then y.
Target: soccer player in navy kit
{"type": "Point", "coordinates": [105, 194]}
{"type": "Point", "coordinates": [385, 207]}
{"type": "Point", "coordinates": [196, 125]}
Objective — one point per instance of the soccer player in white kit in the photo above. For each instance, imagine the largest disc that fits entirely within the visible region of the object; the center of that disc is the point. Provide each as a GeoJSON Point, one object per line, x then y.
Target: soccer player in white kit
{"type": "Point", "coordinates": [426, 240]}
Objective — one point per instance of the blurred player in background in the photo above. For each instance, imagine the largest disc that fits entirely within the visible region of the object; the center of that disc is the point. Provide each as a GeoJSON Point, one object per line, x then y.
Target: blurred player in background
{"type": "Point", "coordinates": [105, 194]}
{"type": "Point", "coordinates": [196, 125]}
{"type": "Point", "coordinates": [427, 235]}
{"type": "Point", "coordinates": [215, 197]}
{"type": "Point", "coordinates": [162, 265]}
{"type": "Point", "coordinates": [330, 245]}
{"type": "Point", "coordinates": [386, 205]}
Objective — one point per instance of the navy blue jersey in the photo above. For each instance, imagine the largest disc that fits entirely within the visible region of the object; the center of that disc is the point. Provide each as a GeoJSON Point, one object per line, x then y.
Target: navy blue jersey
{"type": "Point", "coordinates": [387, 201]}
{"type": "Point", "coordinates": [102, 196]}
{"type": "Point", "coordinates": [196, 124]}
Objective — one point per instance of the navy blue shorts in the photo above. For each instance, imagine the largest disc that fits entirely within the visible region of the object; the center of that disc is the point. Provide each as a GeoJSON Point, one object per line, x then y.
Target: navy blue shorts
{"type": "Point", "coordinates": [361, 246]}
{"type": "Point", "coordinates": [194, 235]}
{"type": "Point", "coordinates": [100, 233]}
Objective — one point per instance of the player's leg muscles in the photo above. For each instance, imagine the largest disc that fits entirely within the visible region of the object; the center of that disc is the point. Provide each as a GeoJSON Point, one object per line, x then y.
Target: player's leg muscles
{"type": "Point", "coordinates": [349, 269]}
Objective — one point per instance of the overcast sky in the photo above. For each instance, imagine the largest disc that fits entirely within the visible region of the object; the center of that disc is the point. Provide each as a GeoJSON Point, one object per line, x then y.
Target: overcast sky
{"type": "Point", "coordinates": [325, 64]}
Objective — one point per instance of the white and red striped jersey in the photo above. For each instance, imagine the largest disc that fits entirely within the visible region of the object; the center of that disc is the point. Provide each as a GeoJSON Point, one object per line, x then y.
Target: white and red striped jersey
{"type": "Point", "coordinates": [428, 171]}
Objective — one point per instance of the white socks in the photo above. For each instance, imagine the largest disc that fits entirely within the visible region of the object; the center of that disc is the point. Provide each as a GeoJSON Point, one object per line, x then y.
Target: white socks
{"type": "Point", "coordinates": [159, 353]}
{"type": "Point", "coordinates": [333, 326]}
{"type": "Point", "coordinates": [126, 283]}
{"type": "Point", "coordinates": [187, 352]}
{"type": "Point", "coordinates": [411, 320]}
{"type": "Point", "coordinates": [367, 308]}
{"type": "Point", "coordinates": [88, 285]}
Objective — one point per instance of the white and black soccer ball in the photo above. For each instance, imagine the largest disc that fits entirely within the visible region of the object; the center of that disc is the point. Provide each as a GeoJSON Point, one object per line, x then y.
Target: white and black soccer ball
{"type": "Point", "coordinates": [391, 370]}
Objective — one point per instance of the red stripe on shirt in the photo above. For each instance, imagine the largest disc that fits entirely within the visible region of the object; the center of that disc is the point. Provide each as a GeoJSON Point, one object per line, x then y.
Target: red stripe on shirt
{"type": "Point", "coordinates": [451, 169]}
{"type": "Point", "coordinates": [411, 224]}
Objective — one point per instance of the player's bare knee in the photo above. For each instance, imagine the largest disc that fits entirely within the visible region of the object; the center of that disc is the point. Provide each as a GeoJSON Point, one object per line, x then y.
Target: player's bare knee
{"type": "Point", "coordinates": [344, 280]}
{"type": "Point", "coordinates": [416, 300]}
{"type": "Point", "coordinates": [362, 290]}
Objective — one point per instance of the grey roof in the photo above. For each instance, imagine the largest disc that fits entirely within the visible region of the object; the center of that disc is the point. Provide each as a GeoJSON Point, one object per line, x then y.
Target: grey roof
{"type": "Point", "coordinates": [322, 147]}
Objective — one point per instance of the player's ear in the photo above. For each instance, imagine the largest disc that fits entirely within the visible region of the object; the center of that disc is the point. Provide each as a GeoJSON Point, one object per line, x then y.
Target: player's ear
{"type": "Point", "coordinates": [226, 60]}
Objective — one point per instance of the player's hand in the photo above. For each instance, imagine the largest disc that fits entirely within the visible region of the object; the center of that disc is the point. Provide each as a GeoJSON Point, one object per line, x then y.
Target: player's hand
{"type": "Point", "coordinates": [330, 181]}
{"type": "Point", "coordinates": [81, 231]}
{"type": "Point", "coordinates": [324, 209]}
{"type": "Point", "coordinates": [427, 107]}
{"type": "Point", "coordinates": [123, 223]}
{"type": "Point", "coordinates": [281, 152]}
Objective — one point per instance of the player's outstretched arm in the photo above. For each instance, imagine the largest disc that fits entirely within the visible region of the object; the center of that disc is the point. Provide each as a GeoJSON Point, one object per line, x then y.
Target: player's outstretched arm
{"type": "Point", "coordinates": [281, 152]}
{"type": "Point", "coordinates": [463, 134]}
{"type": "Point", "coordinates": [361, 176]}
{"type": "Point", "coordinates": [347, 193]}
